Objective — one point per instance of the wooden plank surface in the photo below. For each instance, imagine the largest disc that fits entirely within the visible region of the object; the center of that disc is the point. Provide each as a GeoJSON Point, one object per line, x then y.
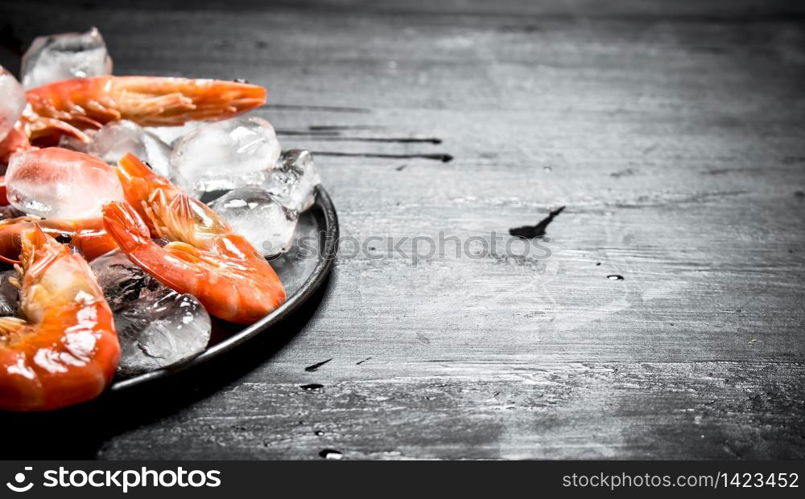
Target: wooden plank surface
{"type": "Point", "coordinates": [672, 133]}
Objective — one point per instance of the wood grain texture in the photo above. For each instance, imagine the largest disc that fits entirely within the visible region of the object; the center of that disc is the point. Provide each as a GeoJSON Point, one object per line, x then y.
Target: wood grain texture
{"type": "Point", "coordinates": [673, 134]}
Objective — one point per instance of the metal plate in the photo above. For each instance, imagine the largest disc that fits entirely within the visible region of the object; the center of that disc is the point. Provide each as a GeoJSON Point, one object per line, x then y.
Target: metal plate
{"type": "Point", "coordinates": [303, 269]}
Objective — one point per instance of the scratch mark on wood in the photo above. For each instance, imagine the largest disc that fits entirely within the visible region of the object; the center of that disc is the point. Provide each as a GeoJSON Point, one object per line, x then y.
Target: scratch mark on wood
{"type": "Point", "coordinates": [400, 140]}
{"type": "Point", "coordinates": [628, 172]}
{"type": "Point", "coordinates": [670, 200]}
{"type": "Point", "coordinates": [317, 365]}
{"type": "Point", "coordinates": [444, 158]}
{"type": "Point", "coordinates": [304, 133]}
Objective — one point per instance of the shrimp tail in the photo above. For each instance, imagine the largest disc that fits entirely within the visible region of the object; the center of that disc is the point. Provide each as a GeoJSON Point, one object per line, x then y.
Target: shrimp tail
{"type": "Point", "coordinates": [130, 167]}
{"type": "Point", "coordinates": [126, 226]}
{"type": "Point", "coordinates": [134, 238]}
{"type": "Point", "coordinates": [138, 181]}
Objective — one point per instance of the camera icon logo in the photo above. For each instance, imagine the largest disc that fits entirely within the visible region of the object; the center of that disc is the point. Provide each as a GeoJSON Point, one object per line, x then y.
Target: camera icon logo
{"type": "Point", "coordinates": [20, 485]}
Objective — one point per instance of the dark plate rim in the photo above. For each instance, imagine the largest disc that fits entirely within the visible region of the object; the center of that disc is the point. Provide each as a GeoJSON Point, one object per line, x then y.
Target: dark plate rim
{"type": "Point", "coordinates": [309, 287]}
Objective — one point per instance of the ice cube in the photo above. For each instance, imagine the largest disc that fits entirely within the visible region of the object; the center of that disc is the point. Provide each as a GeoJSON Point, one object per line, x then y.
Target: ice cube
{"type": "Point", "coordinates": [157, 327]}
{"type": "Point", "coordinates": [74, 144]}
{"type": "Point", "coordinates": [295, 265]}
{"type": "Point", "coordinates": [65, 56]}
{"type": "Point", "coordinates": [293, 183]}
{"type": "Point", "coordinates": [59, 183]}
{"type": "Point", "coordinates": [171, 134]}
{"type": "Point", "coordinates": [117, 138]}
{"type": "Point", "coordinates": [9, 294]}
{"type": "Point", "coordinates": [225, 155]}
{"type": "Point", "coordinates": [12, 101]}
{"type": "Point", "coordinates": [254, 214]}
{"type": "Point", "coordinates": [157, 154]}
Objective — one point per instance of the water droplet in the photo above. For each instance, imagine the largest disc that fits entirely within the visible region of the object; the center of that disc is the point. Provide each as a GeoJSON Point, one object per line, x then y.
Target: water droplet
{"type": "Point", "coordinates": [318, 433]}
{"type": "Point", "coordinates": [547, 168]}
{"type": "Point", "coordinates": [615, 277]}
{"type": "Point", "coordinates": [311, 387]}
{"type": "Point", "coordinates": [331, 454]}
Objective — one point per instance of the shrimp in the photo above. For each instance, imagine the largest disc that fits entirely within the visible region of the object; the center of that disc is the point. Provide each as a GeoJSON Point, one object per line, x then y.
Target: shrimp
{"type": "Point", "coordinates": [203, 257]}
{"type": "Point", "coordinates": [65, 349]}
{"type": "Point", "coordinates": [70, 106]}
{"type": "Point", "coordinates": [87, 235]}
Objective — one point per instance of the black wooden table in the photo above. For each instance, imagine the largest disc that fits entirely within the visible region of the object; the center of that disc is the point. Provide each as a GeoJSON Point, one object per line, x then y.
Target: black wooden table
{"type": "Point", "coordinates": [674, 135]}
